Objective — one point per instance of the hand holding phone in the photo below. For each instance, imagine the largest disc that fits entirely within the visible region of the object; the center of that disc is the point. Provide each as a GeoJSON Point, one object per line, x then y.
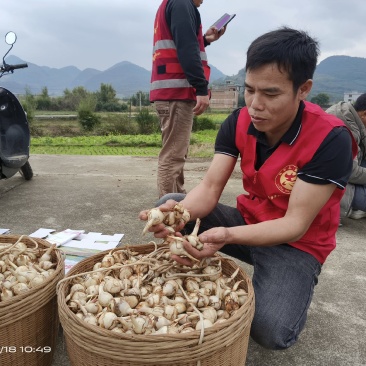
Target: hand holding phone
{"type": "Point", "coordinates": [223, 21]}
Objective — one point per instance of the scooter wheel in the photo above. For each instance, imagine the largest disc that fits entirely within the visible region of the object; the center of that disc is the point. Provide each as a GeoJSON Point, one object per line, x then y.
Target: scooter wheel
{"type": "Point", "coordinates": [26, 171]}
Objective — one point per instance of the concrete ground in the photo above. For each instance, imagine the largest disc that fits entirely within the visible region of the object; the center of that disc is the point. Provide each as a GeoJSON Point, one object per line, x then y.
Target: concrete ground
{"type": "Point", "coordinates": [106, 193]}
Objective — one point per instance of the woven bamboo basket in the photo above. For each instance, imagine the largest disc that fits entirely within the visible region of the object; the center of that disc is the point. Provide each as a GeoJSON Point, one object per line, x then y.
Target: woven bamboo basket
{"type": "Point", "coordinates": [225, 344]}
{"type": "Point", "coordinates": [29, 321]}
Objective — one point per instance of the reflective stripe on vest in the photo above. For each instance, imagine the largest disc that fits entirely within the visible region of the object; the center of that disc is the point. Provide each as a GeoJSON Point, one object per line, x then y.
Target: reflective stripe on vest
{"type": "Point", "coordinates": [167, 44]}
{"type": "Point", "coordinates": [171, 83]}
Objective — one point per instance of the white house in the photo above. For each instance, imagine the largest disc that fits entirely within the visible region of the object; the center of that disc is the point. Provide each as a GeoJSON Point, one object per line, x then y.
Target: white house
{"type": "Point", "coordinates": [351, 96]}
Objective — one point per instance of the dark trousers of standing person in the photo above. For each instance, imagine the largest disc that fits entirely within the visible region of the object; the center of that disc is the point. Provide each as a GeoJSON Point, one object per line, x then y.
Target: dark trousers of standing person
{"type": "Point", "coordinates": [284, 278]}
{"type": "Point", "coordinates": [359, 198]}
{"type": "Point", "coordinates": [176, 120]}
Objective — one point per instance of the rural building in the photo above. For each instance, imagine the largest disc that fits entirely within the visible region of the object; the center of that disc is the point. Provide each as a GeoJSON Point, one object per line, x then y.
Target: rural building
{"type": "Point", "coordinates": [351, 96]}
{"type": "Point", "coordinates": [224, 96]}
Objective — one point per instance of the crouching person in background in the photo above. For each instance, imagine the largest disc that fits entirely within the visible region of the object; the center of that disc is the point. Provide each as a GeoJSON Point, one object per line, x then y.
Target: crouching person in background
{"type": "Point", "coordinates": [353, 204]}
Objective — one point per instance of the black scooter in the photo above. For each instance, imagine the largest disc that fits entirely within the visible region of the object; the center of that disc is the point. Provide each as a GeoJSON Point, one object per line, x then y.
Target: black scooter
{"type": "Point", "coordinates": [14, 127]}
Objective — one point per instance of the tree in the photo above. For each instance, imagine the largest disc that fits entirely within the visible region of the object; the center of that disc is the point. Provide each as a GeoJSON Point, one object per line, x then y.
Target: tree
{"type": "Point", "coordinates": [29, 104]}
{"type": "Point", "coordinates": [43, 100]}
{"type": "Point", "coordinates": [106, 94]}
{"type": "Point", "coordinates": [107, 100]}
{"type": "Point", "coordinates": [321, 99]}
{"type": "Point", "coordinates": [72, 99]}
{"type": "Point", "coordinates": [140, 98]}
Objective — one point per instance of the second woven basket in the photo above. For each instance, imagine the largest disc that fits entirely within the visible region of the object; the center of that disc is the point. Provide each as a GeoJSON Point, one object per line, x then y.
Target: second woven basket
{"type": "Point", "coordinates": [225, 344]}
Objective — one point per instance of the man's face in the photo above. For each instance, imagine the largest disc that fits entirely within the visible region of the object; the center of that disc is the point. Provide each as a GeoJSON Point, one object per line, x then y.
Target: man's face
{"type": "Point", "coordinates": [362, 115]}
{"type": "Point", "coordinates": [197, 3]}
{"type": "Point", "coordinates": [271, 100]}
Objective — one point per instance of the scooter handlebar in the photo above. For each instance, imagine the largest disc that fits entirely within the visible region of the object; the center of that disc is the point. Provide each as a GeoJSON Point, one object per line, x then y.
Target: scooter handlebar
{"type": "Point", "coordinates": [10, 68]}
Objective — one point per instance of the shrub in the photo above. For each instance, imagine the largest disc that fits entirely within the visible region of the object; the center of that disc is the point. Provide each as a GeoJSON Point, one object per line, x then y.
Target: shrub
{"type": "Point", "coordinates": [147, 123]}
{"type": "Point", "coordinates": [87, 118]}
{"type": "Point", "coordinates": [117, 124]}
{"type": "Point", "coordinates": [111, 107]}
{"type": "Point", "coordinates": [203, 123]}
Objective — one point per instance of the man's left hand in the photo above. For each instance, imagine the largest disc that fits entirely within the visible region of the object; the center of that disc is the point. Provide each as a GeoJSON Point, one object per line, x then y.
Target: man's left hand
{"type": "Point", "coordinates": [203, 101]}
{"type": "Point", "coordinates": [213, 240]}
{"type": "Point", "coordinates": [213, 34]}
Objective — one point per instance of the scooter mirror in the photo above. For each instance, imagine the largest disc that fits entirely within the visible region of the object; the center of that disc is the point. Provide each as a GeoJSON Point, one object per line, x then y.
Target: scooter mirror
{"type": "Point", "coordinates": [10, 38]}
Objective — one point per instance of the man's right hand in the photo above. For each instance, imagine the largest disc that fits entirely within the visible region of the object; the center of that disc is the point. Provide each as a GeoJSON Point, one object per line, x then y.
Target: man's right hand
{"type": "Point", "coordinates": [203, 101]}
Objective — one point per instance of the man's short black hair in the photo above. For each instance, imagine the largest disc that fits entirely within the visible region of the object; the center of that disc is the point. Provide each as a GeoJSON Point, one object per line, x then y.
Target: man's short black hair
{"type": "Point", "coordinates": [360, 103]}
{"type": "Point", "coordinates": [294, 51]}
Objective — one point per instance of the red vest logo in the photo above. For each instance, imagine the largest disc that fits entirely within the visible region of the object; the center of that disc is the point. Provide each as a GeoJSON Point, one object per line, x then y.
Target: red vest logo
{"type": "Point", "coordinates": [286, 178]}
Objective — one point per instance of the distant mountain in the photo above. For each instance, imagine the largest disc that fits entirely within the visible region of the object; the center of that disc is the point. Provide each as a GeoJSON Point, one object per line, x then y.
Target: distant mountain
{"type": "Point", "coordinates": [84, 76]}
{"type": "Point", "coordinates": [334, 76]}
{"type": "Point", "coordinates": [337, 75]}
{"type": "Point", "coordinates": [216, 74]}
{"type": "Point", "coordinates": [125, 77]}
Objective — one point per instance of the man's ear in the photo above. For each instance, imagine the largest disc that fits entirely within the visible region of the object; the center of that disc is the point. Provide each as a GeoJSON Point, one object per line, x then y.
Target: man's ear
{"type": "Point", "coordinates": [305, 89]}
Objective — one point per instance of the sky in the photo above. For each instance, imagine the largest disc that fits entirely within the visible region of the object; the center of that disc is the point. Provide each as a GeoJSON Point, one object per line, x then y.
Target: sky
{"type": "Point", "coordinates": [100, 34]}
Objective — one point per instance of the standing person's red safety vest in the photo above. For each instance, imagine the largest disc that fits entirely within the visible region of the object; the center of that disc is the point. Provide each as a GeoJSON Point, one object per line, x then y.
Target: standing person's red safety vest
{"type": "Point", "coordinates": [168, 81]}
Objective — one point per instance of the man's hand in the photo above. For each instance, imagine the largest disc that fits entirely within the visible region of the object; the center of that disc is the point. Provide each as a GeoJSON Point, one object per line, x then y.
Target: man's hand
{"type": "Point", "coordinates": [213, 240]}
{"type": "Point", "coordinates": [160, 230]}
{"type": "Point", "coordinates": [213, 34]}
{"type": "Point", "coordinates": [203, 101]}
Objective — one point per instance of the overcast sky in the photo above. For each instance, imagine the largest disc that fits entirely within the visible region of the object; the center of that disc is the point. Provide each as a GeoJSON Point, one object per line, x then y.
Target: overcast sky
{"type": "Point", "coordinates": [99, 34]}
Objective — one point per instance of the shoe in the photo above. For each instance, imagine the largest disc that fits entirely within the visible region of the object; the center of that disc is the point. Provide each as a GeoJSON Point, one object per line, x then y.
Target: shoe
{"type": "Point", "coordinates": [357, 214]}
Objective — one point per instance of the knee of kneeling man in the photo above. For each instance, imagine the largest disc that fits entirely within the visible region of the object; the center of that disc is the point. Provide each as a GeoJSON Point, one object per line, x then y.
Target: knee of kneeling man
{"type": "Point", "coordinates": [275, 338]}
{"type": "Point", "coordinates": [170, 196]}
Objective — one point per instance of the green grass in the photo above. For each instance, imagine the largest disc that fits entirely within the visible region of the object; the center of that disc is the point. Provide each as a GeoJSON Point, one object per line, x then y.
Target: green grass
{"type": "Point", "coordinates": [202, 143]}
{"type": "Point", "coordinates": [217, 118]}
{"type": "Point", "coordinates": [65, 137]}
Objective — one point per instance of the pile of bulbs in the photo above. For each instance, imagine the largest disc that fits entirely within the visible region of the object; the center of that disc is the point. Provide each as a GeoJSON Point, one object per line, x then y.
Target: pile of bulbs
{"type": "Point", "coordinates": [131, 293]}
{"type": "Point", "coordinates": [23, 268]}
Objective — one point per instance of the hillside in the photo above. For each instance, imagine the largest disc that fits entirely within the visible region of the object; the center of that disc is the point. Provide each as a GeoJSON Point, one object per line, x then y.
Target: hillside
{"type": "Point", "coordinates": [340, 74]}
{"type": "Point", "coordinates": [334, 76]}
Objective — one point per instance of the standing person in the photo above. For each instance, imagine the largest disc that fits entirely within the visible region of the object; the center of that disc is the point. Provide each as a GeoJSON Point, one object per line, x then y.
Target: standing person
{"type": "Point", "coordinates": [353, 203]}
{"type": "Point", "coordinates": [179, 83]}
{"type": "Point", "coordinates": [296, 161]}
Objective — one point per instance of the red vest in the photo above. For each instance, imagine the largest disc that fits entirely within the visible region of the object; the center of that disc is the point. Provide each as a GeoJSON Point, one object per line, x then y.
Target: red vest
{"type": "Point", "coordinates": [171, 84]}
{"type": "Point", "coordinates": [270, 187]}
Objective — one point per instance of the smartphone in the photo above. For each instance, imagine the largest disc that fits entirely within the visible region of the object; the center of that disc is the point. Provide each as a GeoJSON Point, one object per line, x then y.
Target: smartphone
{"type": "Point", "coordinates": [224, 20]}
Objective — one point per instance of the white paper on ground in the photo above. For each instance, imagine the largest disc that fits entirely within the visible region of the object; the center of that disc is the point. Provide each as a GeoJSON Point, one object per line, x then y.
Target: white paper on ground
{"type": "Point", "coordinates": [64, 236]}
{"type": "Point", "coordinates": [42, 233]}
{"type": "Point", "coordinates": [95, 241]}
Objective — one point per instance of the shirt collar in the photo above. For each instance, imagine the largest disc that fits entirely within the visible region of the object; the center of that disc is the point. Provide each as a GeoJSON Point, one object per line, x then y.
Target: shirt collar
{"type": "Point", "coordinates": [290, 135]}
